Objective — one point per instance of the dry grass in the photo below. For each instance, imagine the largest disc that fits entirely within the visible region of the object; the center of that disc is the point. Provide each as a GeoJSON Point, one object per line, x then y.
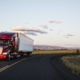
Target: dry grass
{"type": "Point", "coordinates": [53, 51]}
{"type": "Point", "coordinates": [73, 62]}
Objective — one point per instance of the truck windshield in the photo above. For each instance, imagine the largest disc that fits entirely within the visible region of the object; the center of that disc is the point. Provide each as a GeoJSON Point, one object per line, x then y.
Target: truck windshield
{"type": "Point", "coordinates": [4, 41]}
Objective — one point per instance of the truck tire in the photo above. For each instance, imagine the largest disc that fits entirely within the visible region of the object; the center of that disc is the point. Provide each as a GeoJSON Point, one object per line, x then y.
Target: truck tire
{"type": "Point", "coordinates": [8, 57]}
{"type": "Point", "coordinates": [29, 53]}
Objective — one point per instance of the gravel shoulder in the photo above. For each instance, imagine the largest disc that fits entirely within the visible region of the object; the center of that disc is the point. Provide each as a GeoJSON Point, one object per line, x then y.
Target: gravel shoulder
{"type": "Point", "coordinates": [63, 70]}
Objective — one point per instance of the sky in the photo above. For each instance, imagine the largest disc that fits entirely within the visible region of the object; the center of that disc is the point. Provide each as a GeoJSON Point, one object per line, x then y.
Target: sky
{"type": "Point", "coordinates": [47, 22]}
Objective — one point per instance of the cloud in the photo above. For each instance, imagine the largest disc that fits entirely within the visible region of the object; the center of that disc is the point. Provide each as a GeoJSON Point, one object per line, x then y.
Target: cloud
{"type": "Point", "coordinates": [68, 35]}
{"type": "Point", "coordinates": [51, 29]}
{"type": "Point", "coordinates": [21, 28]}
{"type": "Point", "coordinates": [53, 21]}
{"type": "Point", "coordinates": [44, 26]}
{"type": "Point", "coordinates": [28, 30]}
{"type": "Point", "coordinates": [31, 33]}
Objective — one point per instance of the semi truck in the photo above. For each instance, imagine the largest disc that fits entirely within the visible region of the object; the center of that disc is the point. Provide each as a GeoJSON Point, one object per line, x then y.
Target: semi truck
{"type": "Point", "coordinates": [14, 45]}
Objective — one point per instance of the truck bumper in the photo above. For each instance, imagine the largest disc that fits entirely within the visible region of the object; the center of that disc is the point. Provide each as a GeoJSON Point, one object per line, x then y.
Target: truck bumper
{"type": "Point", "coordinates": [3, 57]}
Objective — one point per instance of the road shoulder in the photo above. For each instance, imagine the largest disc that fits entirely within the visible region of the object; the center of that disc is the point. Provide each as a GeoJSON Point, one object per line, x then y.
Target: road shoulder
{"type": "Point", "coordinates": [63, 70]}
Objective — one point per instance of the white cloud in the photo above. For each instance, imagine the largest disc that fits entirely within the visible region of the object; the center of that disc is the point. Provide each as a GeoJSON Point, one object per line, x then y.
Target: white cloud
{"type": "Point", "coordinates": [52, 21]}
{"type": "Point", "coordinates": [31, 33]}
{"type": "Point", "coordinates": [44, 26]}
{"type": "Point", "coordinates": [28, 30]}
{"type": "Point", "coordinates": [21, 28]}
{"type": "Point", "coordinates": [68, 35]}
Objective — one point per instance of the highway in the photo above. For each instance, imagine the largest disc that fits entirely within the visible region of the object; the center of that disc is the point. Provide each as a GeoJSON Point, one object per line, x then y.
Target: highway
{"type": "Point", "coordinates": [37, 67]}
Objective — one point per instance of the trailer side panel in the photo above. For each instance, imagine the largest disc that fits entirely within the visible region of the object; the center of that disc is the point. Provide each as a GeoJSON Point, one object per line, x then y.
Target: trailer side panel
{"type": "Point", "coordinates": [25, 43]}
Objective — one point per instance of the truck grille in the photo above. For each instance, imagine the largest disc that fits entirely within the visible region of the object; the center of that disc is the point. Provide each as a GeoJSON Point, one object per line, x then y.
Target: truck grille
{"type": "Point", "coordinates": [1, 50]}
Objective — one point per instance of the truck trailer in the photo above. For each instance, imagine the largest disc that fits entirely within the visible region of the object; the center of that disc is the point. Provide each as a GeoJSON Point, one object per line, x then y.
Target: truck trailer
{"type": "Point", "coordinates": [13, 45]}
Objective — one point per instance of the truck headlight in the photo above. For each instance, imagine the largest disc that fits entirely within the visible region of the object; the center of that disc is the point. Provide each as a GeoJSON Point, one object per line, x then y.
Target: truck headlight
{"type": "Point", "coordinates": [4, 53]}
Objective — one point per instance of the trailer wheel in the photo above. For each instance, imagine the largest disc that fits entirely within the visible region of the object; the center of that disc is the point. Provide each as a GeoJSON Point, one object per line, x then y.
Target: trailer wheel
{"type": "Point", "coordinates": [8, 57]}
{"type": "Point", "coordinates": [29, 53]}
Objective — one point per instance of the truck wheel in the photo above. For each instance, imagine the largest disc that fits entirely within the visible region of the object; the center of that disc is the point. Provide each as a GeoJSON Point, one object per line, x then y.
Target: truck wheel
{"type": "Point", "coordinates": [8, 57]}
{"type": "Point", "coordinates": [29, 53]}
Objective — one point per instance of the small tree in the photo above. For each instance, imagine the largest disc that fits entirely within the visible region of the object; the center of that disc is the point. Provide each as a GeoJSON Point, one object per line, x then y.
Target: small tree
{"type": "Point", "coordinates": [77, 51]}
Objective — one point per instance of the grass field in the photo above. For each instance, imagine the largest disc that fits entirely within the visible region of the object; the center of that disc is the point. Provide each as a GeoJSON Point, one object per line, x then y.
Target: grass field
{"type": "Point", "coordinates": [53, 51]}
{"type": "Point", "coordinates": [72, 62]}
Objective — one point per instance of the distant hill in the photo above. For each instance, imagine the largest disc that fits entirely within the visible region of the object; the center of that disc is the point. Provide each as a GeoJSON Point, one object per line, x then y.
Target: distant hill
{"type": "Point", "coordinates": [45, 47]}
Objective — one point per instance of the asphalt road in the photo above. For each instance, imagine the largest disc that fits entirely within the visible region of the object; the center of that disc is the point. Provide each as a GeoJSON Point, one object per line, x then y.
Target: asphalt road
{"type": "Point", "coordinates": [37, 67]}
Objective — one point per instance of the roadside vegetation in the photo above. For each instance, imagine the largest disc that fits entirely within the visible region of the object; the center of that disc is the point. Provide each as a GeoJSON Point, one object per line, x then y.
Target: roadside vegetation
{"type": "Point", "coordinates": [63, 51]}
{"type": "Point", "coordinates": [72, 62]}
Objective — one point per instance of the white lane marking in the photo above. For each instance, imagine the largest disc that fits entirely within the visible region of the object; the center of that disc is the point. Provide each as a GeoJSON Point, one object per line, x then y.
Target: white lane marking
{"type": "Point", "coordinates": [7, 66]}
{"type": "Point", "coordinates": [3, 68]}
{"type": "Point", "coordinates": [17, 62]}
